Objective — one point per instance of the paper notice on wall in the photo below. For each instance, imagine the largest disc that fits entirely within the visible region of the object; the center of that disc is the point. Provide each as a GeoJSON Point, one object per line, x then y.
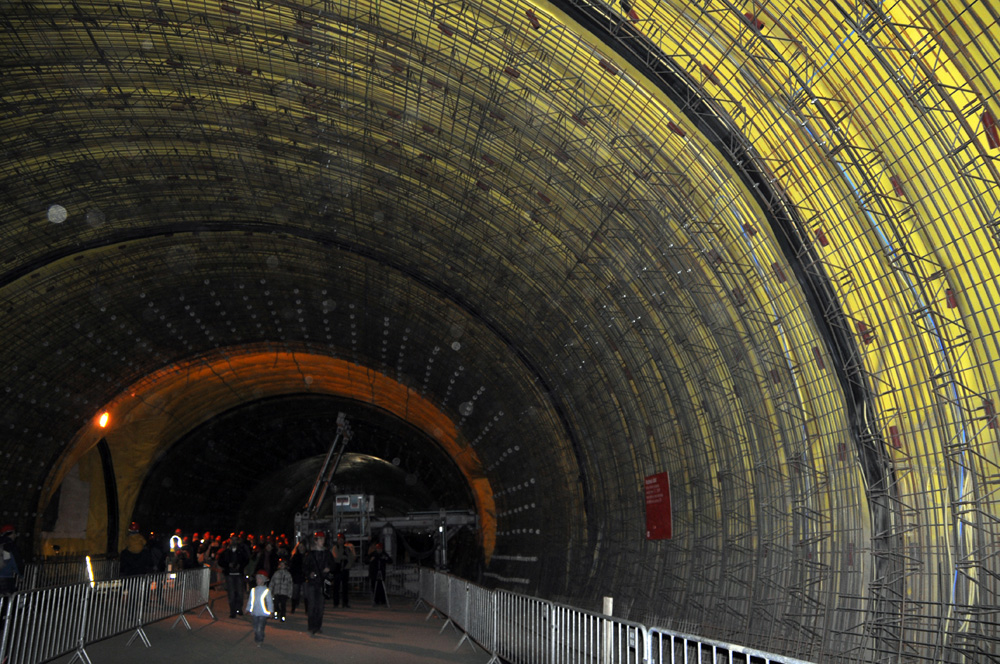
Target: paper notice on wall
{"type": "Point", "coordinates": [658, 524]}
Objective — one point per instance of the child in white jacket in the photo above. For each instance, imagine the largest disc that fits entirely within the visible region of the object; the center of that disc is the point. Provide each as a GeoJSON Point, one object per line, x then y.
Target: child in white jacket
{"type": "Point", "coordinates": [281, 586]}
{"type": "Point", "coordinates": [260, 607]}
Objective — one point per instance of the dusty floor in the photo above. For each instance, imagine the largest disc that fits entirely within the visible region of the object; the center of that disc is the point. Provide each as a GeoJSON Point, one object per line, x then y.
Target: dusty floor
{"type": "Point", "coordinates": [400, 634]}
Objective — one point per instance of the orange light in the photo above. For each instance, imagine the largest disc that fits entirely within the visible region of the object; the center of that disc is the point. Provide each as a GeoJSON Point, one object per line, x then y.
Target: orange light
{"type": "Point", "coordinates": [103, 420]}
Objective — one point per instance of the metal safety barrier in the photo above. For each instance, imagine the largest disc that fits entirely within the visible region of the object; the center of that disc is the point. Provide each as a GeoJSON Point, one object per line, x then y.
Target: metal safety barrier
{"type": "Point", "coordinates": [523, 628]}
{"type": "Point", "coordinates": [52, 573]}
{"type": "Point", "coordinates": [481, 625]}
{"type": "Point", "coordinates": [584, 636]}
{"type": "Point", "coordinates": [427, 586]}
{"type": "Point", "coordinates": [39, 625]}
{"type": "Point", "coordinates": [442, 593]}
{"type": "Point", "coordinates": [527, 630]}
{"type": "Point", "coordinates": [667, 647]}
{"type": "Point", "coordinates": [402, 580]}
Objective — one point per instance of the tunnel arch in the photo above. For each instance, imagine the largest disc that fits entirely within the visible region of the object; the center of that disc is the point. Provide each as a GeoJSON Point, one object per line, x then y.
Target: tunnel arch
{"type": "Point", "coordinates": [751, 246]}
{"type": "Point", "coordinates": [150, 416]}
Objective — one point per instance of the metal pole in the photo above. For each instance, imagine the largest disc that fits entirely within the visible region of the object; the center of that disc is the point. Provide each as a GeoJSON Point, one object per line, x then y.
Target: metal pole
{"type": "Point", "coordinates": [8, 602]}
{"type": "Point", "coordinates": [81, 653]}
{"type": "Point", "coordinates": [139, 631]}
{"type": "Point", "coordinates": [607, 650]}
{"type": "Point", "coordinates": [420, 589]}
{"type": "Point", "coordinates": [494, 638]}
{"type": "Point", "coordinates": [205, 590]}
{"type": "Point", "coordinates": [553, 631]}
{"type": "Point", "coordinates": [465, 624]}
{"type": "Point", "coordinates": [180, 608]}
{"type": "Point", "coordinates": [434, 598]}
{"type": "Point", "coordinates": [448, 620]}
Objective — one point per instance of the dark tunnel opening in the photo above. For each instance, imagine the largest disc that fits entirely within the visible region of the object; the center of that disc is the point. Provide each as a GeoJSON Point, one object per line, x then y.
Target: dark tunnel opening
{"type": "Point", "coordinates": [253, 467]}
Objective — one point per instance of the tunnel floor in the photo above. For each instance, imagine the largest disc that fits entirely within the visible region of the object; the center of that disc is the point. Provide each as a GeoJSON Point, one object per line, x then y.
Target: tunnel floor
{"type": "Point", "coordinates": [399, 634]}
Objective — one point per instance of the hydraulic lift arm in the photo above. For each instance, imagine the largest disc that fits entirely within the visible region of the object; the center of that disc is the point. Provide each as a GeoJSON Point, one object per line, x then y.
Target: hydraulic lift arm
{"type": "Point", "coordinates": [330, 464]}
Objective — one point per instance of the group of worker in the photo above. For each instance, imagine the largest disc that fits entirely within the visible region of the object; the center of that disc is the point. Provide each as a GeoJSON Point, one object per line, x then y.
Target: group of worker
{"type": "Point", "coordinates": [274, 574]}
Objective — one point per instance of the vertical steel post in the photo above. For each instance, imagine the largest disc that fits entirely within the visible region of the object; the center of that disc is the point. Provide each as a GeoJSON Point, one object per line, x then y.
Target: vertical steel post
{"type": "Point", "coordinates": [139, 631]}
{"type": "Point", "coordinates": [607, 634]}
{"type": "Point", "coordinates": [8, 602]}
{"type": "Point", "coordinates": [553, 631]}
{"type": "Point", "coordinates": [204, 591]}
{"type": "Point", "coordinates": [81, 653]}
{"type": "Point", "coordinates": [180, 604]}
{"type": "Point", "coordinates": [465, 621]}
{"type": "Point", "coordinates": [494, 637]}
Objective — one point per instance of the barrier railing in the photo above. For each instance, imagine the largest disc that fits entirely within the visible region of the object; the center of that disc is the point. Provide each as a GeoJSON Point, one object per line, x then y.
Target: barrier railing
{"type": "Point", "coordinates": [521, 629]}
{"type": "Point", "coordinates": [52, 573]}
{"type": "Point", "coordinates": [39, 625]}
{"type": "Point", "coordinates": [481, 626]}
{"type": "Point", "coordinates": [668, 647]}
{"type": "Point", "coordinates": [401, 580]}
{"type": "Point", "coordinates": [580, 636]}
{"type": "Point", "coordinates": [442, 596]}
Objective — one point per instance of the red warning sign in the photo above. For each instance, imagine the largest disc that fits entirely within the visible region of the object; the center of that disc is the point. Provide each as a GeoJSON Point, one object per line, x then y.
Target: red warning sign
{"type": "Point", "coordinates": [658, 507]}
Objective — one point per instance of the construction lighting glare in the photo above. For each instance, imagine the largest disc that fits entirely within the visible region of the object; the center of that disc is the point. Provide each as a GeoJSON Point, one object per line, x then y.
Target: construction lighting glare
{"type": "Point", "coordinates": [90, 572]}
{"type": "Point", "coordinates": [103, 420]}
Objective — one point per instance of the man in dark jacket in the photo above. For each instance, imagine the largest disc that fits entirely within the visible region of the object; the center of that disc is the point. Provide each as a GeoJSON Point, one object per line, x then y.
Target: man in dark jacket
{"type": "Point", "coordinates": [136, 558]}
{"type": "Point", "coordinates": [11, 565]}
{"type": "Point", "coordinates": [316, 565]}
{"type": "Point", "coordinates": [343, 553]}
{"type": "Point", "coordinates": [232, 560]}
{"type": "Point", "coordinates": [376, 574]}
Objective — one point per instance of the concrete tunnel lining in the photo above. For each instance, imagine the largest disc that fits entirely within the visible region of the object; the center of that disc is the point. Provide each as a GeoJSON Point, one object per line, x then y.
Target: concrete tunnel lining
{"type": "Point", "coordinates": [753, 246]}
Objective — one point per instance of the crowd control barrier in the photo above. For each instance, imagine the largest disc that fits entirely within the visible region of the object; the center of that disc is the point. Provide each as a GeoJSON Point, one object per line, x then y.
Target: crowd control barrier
{"type": "Point", "coordinates": [51, 573]}
{"type": "Point", "coordinates": [527, 630]}
{"type": "Point", "coordinates": [400, 580]}
{"type": "Point", "coordinates": [39, 625]}
{"type": "Point", "coordinates": [676, 648]}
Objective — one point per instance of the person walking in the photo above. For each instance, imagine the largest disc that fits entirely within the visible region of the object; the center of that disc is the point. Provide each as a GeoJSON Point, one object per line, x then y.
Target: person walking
{"type": "Point", "coordinates": [281, 586]}
{"type": "Point", "coordinates": [137, 557]}
{"type": "Point", "coordinates": [316, 565]}
{"type": "Point", "coordinates": [260, 607]}
{"type": "Point", "coordinates": [232, 560]}
{"type": "Point", "coordinates": [376, 575]}
{"type": "Point", "coordinates": [11, 565]}
{"type": "Point", "coordinates": [298, 576]}
{"type": "Point", "coordinates": [343, 553]}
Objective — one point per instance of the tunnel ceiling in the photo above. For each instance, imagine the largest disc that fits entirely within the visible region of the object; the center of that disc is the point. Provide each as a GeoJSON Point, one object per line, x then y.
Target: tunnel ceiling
{"type": "Point", "coordinates": [752, 246]}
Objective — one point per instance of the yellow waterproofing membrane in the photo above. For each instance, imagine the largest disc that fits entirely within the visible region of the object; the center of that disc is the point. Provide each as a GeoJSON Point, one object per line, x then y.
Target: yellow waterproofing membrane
{"type": "Point", "coordinates": [878, 126]}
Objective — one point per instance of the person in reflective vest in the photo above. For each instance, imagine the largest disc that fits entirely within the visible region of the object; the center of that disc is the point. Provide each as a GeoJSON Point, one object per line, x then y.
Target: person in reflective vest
{"type": "Point", "coordinates": [260, 607]}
